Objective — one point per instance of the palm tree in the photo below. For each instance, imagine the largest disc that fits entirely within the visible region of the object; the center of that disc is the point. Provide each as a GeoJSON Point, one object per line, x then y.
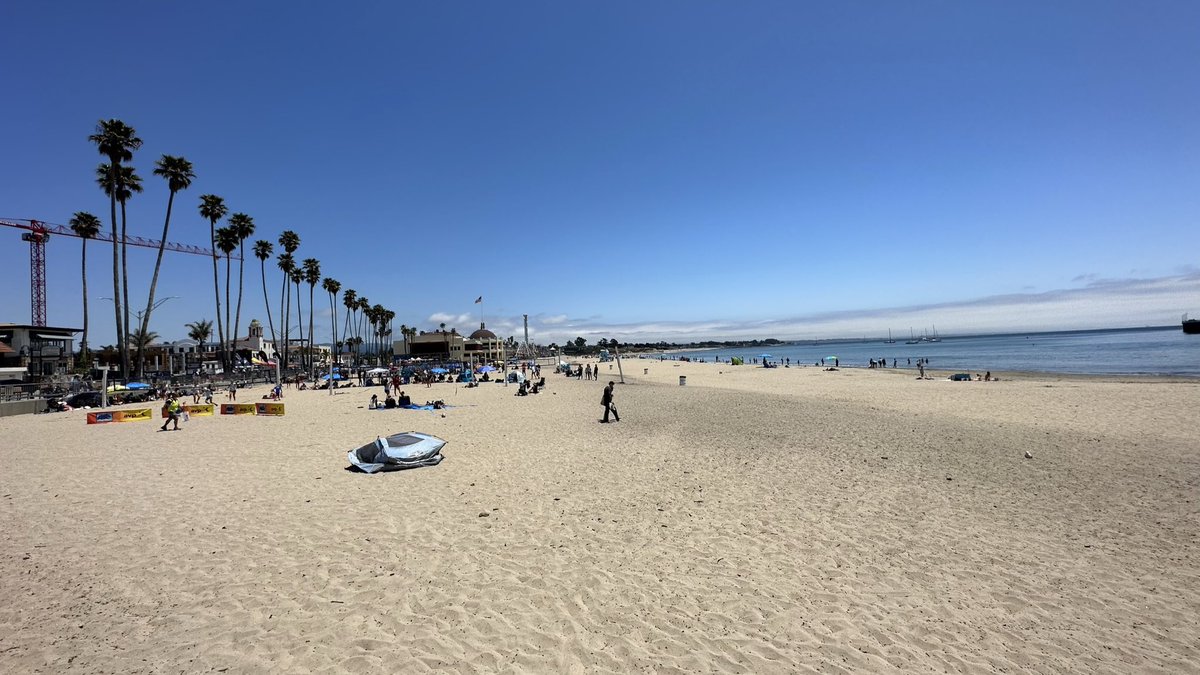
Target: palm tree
{"type": "Point", "coordinates": [200, 332]}
{"type": "Point", "coordinates": [312, 275]}
{"type": "Point", "coordinates": [331, 286]}
{"type": "Point", "coordinates": [386, 329]}
{"type": "Point", "coordinates": [212, 208]}
{"type": "Point", "coordinates": [128, 182]}
{"type": "Point", "coordinates": [116, 141]}
{"type": "Point", "coordinates": [364, 306]}
{"type": "Point", "coordinates": [380, 315]}
{"type": "Point", "coordinates": [350, 301]}
{"type": "Point", "coordinates": [121, 184]}
{"type": "Point", "coordinates": [178, 173]}
{"type": "Point", "coordinates": [404, 334]}
{"type": "Point", "coordinates": [297, 276]}
{"type": "Point", "coordinates": [85, 226]}
{"type": "Point", "coordinates": [263, 250]}
{"type": "Point", "coordinates": [286, 264]}
{"type": "Point", "coordinates": [142, 339]}
{"type": "Point", "coordinates": [243, 228]}
{"type": "Point", "coordinates": [227, 242]}
{"type": "Point", "coordinates": [289, 241]}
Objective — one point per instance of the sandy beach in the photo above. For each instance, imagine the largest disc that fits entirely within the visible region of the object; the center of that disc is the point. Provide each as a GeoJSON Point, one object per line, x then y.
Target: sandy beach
{"type": "Point", "coordinates": [755, 520]}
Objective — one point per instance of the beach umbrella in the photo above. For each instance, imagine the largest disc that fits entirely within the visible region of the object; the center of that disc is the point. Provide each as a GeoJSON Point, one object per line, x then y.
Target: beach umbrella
{"type": "Point", "coordinates": [138, 385]}
{"type": "Point", "coordinates": [116, 387]}
{"type": "Point", "coordinates": [486, 369]}
{"type": "Point", "coordinates": [830, 358]}
{"type": "Point", "coordinates": [336, 376]}
{"type": "Point", "coordinates": [438, 370]}
{"type": "Point", "coordinates": [376, 371]}
{"type": "Point", "coordinates": [765, 356]}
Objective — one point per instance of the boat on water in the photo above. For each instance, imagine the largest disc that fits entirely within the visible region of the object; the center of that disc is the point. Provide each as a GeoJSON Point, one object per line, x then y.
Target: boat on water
{"type": "Point", "coordinates": [912, 339]}
{"type": "Point", "coordinates": [889, 341]}
{"type": "Point", "coordinates": [1191, 326]}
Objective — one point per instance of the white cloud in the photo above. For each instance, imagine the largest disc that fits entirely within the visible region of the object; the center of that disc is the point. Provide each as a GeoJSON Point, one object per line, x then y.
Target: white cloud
{"type": "Point", "coordinates": [1102, 303]}
{"type": "Point", "coordinates": [451, 320]}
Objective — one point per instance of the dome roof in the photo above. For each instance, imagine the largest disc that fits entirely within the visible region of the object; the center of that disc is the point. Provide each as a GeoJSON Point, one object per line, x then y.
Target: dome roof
{"type": "Point", "coordinates": [483, 334]}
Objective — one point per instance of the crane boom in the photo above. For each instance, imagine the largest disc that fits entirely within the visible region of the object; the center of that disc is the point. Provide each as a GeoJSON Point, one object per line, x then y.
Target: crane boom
{"type": "Point", "coordinates": [37, 232]}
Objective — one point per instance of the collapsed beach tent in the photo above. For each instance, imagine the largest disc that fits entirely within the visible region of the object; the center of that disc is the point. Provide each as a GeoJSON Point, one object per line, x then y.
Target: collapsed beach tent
{"type": "Point", "coordinates": [398, 451]}
{"type": "Point", "coordinates": [516, 377]}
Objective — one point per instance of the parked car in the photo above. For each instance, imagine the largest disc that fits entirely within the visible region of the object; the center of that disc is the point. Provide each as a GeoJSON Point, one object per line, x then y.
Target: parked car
{"type": "Point", "coordinates": [89, 399]}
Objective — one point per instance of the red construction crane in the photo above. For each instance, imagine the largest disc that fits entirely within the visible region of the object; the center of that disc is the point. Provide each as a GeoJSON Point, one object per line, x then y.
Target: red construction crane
{"type": "Point", "coordinates": [38, 232]}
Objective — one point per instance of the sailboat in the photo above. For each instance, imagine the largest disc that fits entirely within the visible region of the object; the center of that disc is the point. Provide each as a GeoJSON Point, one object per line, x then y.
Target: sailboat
{"type": "Point", "coordinates": [934, 337]}
{"type": "Point", "coordinates": [912, 339]}
{"type": "Point", "coordinates": [889, 341]}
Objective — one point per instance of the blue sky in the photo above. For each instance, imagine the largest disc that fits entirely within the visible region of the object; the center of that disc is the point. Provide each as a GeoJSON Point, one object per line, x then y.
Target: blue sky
{"type": "Point", "coordinates": [634, 170]}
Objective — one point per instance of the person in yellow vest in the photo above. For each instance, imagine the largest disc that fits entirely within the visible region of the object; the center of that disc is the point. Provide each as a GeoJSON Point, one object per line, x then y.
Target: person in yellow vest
{"type": "Point", "coordinates": [173, 411]}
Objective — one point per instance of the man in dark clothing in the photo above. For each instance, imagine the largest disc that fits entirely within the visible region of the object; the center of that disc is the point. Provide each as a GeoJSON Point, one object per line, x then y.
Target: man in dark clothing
{"type": "Point", "coordinates": [606, 400]}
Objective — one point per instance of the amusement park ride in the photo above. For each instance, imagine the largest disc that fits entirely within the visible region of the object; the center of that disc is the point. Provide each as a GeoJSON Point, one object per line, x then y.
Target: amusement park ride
{"type": "Point", "coordinates": [38, 232]}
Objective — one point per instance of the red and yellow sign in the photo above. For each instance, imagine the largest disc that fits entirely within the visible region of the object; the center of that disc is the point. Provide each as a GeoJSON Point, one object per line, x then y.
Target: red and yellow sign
{"type": "Point", "coordinates": [275, 409]}
{"type": "Point", "coordinates": [237, 408]}
{"type": "Point", "coordinates": [135, 415]}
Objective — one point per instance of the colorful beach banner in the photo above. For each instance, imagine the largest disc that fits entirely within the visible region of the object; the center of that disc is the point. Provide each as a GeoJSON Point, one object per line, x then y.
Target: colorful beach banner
{"type": "Point", "coordinates": [274, 409]}
{"type": "Point", "coordinates": [135, 415]}
{"type": "Point", "coordinates": [237, 408]}
{"type": "Point", "coordinates": [199, 409]}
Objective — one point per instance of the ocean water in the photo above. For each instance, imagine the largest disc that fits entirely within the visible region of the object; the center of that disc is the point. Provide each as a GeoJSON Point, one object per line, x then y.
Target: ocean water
{"type": "Point", "coordinates": [1130, 351]}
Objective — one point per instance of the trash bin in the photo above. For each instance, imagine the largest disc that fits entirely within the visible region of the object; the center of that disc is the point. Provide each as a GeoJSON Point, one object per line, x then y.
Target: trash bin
{"type": "Point", "coordinates": [682, 380]}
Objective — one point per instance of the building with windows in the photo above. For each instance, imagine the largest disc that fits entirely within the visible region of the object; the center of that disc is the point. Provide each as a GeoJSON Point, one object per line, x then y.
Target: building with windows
{"type": "Point", "coordinates": [483, 346]}
{"type": "Point", "coordinates": [35, 352]}
{"type": "Point", "coordinates": [480, 347]}
{"type": "Point", "coordinates": [255, 348]}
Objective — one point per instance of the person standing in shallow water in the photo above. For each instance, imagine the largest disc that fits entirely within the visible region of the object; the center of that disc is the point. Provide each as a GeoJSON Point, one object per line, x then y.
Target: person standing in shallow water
{"type": "Point", "coordinates": [606, 400]}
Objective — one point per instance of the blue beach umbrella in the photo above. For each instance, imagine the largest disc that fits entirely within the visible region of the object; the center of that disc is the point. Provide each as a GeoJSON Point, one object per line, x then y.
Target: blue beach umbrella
{"type": "Point", "coordinates": [765, 356]}
{"type": "Point", "coordinates": [336, 376]}
{"type": "Point", "coordinates": [486, 369]}
{"type": "Point", "coordinates": [138, 385]}
{"type": "Point", "coordinates": [439, 371]}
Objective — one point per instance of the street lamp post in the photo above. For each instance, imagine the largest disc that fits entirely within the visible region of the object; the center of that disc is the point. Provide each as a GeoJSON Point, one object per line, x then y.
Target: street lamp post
{"type": "Point", "coordinates": [140, 314]}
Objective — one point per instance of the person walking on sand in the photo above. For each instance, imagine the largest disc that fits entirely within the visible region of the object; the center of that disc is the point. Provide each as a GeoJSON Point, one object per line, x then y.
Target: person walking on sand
{"type": "Point", "coordinates": [606, 400]}
{"type": "Point", "coordinates": [172, 409]}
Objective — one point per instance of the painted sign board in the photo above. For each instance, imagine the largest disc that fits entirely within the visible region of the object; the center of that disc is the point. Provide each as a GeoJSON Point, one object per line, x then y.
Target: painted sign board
{"type": "Point", "coordinates": [237, 408]}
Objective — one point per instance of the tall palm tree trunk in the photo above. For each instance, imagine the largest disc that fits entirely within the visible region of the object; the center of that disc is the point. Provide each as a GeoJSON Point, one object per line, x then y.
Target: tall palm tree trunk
{"type": "Point", "coordinates": [311, 360]}
{"type": "Point", "coordinates": [333, 330]}
{"type": "Point", "coordinates": [237, 317]}
{"type": "Point", "coordinates": [284, 312]}
{"type": "Point", "coordinates": [117, 277]}
{"type": "Point", "coordinates": [300, 325]}
{"type": "Point", "coordinates": [267, 302]}
{"type": "Point", "coordinates": [83, 348]}
{"type": "Point", "coordinates": [212, 237]}
{"type": "Point", "coordinates": [231, 345]}
{"type": "Point", "coordinates": [154, 284]}
{"type": "Point", "coordinates": [125, 291]}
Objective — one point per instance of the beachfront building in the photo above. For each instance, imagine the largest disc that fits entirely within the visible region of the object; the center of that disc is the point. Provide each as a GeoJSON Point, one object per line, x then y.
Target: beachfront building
{"type": "Point", "coordinates": [483, 346]}
{"type": "Point", "coordinates": [439, 345]}
{"type": "Point", "coordinates": [35, 352]}
{"type": "Point", "coordinates": [255, 348]}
